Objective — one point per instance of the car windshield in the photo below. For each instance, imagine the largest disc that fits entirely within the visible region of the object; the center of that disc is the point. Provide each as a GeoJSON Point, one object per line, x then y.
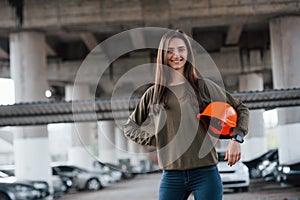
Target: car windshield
{"type": "Point", "coordinates": [71, 169]}
{"type": "Point", "coordinates": [3, 175]}
{"type": "Point", "coordinates": [65, 169]}
{"type": "Point", "coordinates": [271, 155]}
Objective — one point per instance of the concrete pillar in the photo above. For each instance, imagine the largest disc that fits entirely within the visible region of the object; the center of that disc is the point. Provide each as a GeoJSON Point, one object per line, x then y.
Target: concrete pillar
{"type": "Point", "coordinates": [285, 51]}
{"type": "Point", "coordinates": [106, 142]}
{"type": "Point", "coordinates": [121, 144]}
{"type": "Point", "coordinates": [256, 140]}
{"type": "Point", "coordinates": [251, 82]}
{"type": "Point", "coordinates": [143, 153]}
{"type": "Point", "coordinates": [255, 58]}
{"type": "Point", "coordinates": [134, 150]}
{"type": "Point", "coordinates": [29, 72]}
{"type": "Point", "coordinates": [80, 153]}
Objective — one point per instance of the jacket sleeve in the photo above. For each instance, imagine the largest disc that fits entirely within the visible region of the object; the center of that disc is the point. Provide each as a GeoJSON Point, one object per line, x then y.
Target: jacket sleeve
{"type": "Point", "coordinates": [133, 127]}
{"type": "Point", "coordinates": [219, 94]}
{"type": "Point", "coordinates": [243, 115]}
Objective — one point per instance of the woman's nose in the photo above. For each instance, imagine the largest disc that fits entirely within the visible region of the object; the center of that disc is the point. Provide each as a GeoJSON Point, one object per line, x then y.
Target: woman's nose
{"type": "Point", "coordinates": [176, 53]}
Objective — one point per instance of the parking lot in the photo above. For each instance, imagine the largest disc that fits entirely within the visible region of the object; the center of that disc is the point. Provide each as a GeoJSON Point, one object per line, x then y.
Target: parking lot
{"type": "Point", "coordinates": [145, 187]}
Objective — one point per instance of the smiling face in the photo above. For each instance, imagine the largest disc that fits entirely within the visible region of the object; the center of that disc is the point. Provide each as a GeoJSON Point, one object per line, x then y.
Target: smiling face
{"type": "Point", "coordinates": [177, 54]}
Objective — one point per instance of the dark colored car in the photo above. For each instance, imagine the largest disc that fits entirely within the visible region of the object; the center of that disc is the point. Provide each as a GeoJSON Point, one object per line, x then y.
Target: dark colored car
{"type": "Point", "coordinates": [269, 172]}
{"type": "Point", "coordinates": [289, 174]}
{"type": "Point", "coordinates": [58, 186]}
{"type": "Point", "coordinates": [17, 191]}
{"type": "Point", "coordinates": [268, 166]}
{"type": "Point", "coordinates": [13, 189]}
{"type": "Point", "coordinates": [257, 165]}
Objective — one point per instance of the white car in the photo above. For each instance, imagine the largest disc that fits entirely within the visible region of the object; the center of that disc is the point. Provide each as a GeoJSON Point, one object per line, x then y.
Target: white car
{"type": "Point", "coordinates": [235, 177]}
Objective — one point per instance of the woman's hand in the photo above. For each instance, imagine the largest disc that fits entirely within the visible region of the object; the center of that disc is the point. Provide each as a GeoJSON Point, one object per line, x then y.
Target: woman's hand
{"type": "Point", "coordinates": [233, 152]}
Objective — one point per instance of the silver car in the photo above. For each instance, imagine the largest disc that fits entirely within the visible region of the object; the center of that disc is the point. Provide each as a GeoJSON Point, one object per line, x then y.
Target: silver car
{"type": "Point", "coordinates": [87, 180]}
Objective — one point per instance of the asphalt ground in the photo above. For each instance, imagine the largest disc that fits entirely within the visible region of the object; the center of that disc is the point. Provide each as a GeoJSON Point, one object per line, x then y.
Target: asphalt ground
{"type": "Point", "coordinates": [145, 187]}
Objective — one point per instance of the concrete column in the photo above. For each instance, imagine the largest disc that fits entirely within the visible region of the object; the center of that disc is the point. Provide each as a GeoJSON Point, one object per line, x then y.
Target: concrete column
{"type": "Point", "coordinates": [143, 152]}
{"type": "Point", "coordinates": [255, 59]}
{"type": "Point", "coordinates": [29, 72]}
{"type": "Point", "coordinates": [134, 151]}
{"type": "Point", "coordinates": [106, 142]}
{"type": "Point", "coordinates": [285, 51]}
{"type": "Point", "coordinates": [80, 152]}
{"type": "Point", "coordinates": [256, 140]}
{"type": "Point", "coordinates": [121, 144]}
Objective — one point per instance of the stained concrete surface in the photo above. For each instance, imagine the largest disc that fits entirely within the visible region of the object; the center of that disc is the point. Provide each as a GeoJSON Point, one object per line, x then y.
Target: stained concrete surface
{"type": "Point", "coordinates": [145, 187]}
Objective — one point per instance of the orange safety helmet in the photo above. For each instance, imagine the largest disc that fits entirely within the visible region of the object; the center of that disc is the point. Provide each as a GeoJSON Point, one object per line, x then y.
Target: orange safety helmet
{"type": "Point", "coordinates": [221, 118]}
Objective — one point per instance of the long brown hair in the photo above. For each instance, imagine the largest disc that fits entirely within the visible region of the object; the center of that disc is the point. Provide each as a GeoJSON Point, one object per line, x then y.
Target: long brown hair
{"type": "Point", "coordinates": [162, 75]}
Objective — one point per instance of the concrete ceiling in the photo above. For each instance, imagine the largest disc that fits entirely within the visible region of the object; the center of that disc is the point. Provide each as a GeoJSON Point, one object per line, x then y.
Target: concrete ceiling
{"type": "Point", "coordinates": [74, 27]}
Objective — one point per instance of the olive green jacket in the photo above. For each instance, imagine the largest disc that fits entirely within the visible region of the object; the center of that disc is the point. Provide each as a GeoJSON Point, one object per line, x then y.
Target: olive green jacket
{"type": "Point", "coordinates": [181, 140]}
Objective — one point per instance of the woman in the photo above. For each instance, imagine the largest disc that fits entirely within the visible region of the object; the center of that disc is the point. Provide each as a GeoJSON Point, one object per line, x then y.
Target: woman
{"type": "Point", "coordinates": [180, 139]}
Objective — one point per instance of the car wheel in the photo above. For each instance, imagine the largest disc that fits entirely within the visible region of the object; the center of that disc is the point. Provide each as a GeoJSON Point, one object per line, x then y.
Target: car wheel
{"type": "Point", "coordinates": [93, 184]}
{"type": "Point", "coordinates": [4, 197]}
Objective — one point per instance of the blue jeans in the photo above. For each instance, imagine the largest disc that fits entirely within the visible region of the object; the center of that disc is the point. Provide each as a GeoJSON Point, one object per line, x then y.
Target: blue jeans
{"type": "Point", "coordinates": [204, 182]}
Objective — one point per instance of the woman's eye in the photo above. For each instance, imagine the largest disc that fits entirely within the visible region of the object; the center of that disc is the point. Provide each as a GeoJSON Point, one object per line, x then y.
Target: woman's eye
{"type": "Point", "coordinates": [178, 50]}
{"type": "Point", "coordinates": [181, 50]}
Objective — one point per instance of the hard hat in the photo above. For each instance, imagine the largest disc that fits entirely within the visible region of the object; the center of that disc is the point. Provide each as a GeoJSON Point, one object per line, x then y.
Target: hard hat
{"type": "Point", "coordinates": [219, 118]}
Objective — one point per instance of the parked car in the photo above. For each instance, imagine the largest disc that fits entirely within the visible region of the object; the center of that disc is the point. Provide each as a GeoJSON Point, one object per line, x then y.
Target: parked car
{"type": "Point", "coordinates": [270, 171]}
{"type": "Point", "coordinates": [13, 189]}
{"type": "Point", "coordinates": [268, 166]}
{"type": "Point", "coordinates": [87, 180]}
{"type": "Point", "coordinates": [7, 170]}
{"type": "Point", "coordinates": [270, 157]}
{"type": "Point", "coordinates": [260, 163]}
{"type": "Point", "coordinates": [69, 181]}
{"type": "Point", "coordinates": [17, 191]}
{"type": "Point", "coordinates": [58, 186]}
{"type": "Point", "coordinates": [126, 169]}
{"type": "Point", "coordinates": [289, 174]}
{"type": "Point", "coordinates": [235, 177]}
{"type": "Point", "coordinates": [111, 169]}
